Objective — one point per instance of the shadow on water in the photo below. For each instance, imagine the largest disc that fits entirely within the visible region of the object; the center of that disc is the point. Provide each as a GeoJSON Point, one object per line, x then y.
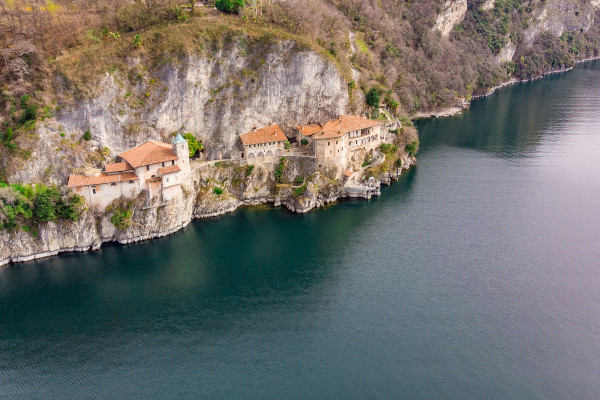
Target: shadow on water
{"type": "Point", "coordinates": [228, 265]}
{"type": "Point", "coordinates": [512, 121]}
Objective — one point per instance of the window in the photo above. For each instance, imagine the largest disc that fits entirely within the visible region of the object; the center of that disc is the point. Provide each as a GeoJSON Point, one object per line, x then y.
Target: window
{"type": "Point", "coordinates": [173, 162]}
{"type": "Point", "coordinates": [163, 163]}
{"type": "Point", "coordinates": [147, 168]}
{"type": "Point", "coordinates": [94, 189]}
{"type": "Point", "coordinates": [113, 184]}
{"type": "Point", "coordinates": [336, 142]}
{"type": "Point", "coordinates": [167, 179]}
{"type": "Point", "coordinates": [130, 181]}
{"type": "Point", "coordinates": [328, 143]}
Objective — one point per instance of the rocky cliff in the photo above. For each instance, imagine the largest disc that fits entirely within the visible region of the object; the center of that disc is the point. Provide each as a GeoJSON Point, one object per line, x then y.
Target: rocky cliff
{"type": "Point", "coordinates": [216, 98]}
{"type": "Point", "coordinates": [239, 185]}
{"type": "Point", "coordinates": [452, 13]}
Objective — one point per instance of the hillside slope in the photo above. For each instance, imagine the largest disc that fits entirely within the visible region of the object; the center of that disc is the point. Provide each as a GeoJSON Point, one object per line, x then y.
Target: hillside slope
{"type": "Point", "coordinates": [125, 73]}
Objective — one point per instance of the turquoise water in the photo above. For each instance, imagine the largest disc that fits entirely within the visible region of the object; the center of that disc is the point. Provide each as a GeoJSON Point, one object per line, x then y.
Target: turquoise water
{"type": "Point", "coordinates": [476, 276]}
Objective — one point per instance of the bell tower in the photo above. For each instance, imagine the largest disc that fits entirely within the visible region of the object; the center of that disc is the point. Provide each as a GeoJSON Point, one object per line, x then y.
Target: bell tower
{"type": "Point", "coordinates": [182, 151]}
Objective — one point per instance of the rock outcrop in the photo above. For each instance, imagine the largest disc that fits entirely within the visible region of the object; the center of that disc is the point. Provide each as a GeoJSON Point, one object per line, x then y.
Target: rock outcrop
{"type": "Point", "coordinates": [214, 190]}
{"type": "Point", "coordinates": [453, 13]}
{"type": "Point", "coordinates": [558, 16]}
{"type": "Point", "coordinates": [507, 53]}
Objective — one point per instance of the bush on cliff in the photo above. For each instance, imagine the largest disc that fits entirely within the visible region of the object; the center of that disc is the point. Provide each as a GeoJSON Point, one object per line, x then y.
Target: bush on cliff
{"type": "Point", "coordinates": [193, 144]}
{"type": "Point", "coordinates": [28, 205]}
{"type": "Point", "coordinates": [279, 170]}
{"type": "Point", "coordinates": [230, 6]}
{"type": "Point", "coordinates": [412, 148]}
{"type": "Point", "coordinates": [121, 218]}
{"type": "Point", "coordinates": [373, 97]}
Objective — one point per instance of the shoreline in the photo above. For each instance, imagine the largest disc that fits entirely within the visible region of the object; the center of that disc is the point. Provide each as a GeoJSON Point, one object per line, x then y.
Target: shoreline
{"type": "Point", "coordinates": [56, 230]}
{"type": "Point", "coordinates": [457, 110]}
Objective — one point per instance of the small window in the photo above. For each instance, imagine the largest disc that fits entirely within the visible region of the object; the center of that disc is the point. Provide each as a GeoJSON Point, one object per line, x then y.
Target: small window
{"type": "Point", "coordinates": [113, 184]}
{"type": "Point", "coordinates": [130, 181]}
{"type": "Point", "coordinates": [94, 189]}
{"type": "Point", "coordinates": [167, 179]}
{"type": "Point", "coordinates": [336, 142]}
{"type": "Point", "coordinates": [173, 162]}
{"type": "Point", "coordinates": [163, 164]}
{"type": "Point", "coordinates": [328, 143]}
{"type": "Point", "coordinates": [147, 168]}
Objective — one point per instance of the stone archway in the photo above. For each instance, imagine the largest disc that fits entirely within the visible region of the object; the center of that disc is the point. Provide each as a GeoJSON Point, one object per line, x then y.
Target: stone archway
{"type": "Point", "coordinates": [260, 154]}
{"type": "Point", "coordinates": [251, 156]}
{"type": "Point", "coordinates": [278, 152]}
{"type": "Point", "coordinates": [269, 153]}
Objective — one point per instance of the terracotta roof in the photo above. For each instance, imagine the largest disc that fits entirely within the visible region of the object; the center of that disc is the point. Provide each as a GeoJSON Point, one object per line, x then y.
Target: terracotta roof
{"type": "Point", "coordinates": [268, 134]}
{"type": "Point", "coordinates": [348, 173]}
{"type": "Point", "coordinates": [340, 126]}
{"type": "Point", "coordinates": [169, 170]}
{"type": "Point", "coordinates": [101, 178]}
{"type": "Point", "coordinates": [147, 153]}
{"type": "Point", "coordinates": [308, 130]}
{"type": "Point", "coordinates": [117, 167]}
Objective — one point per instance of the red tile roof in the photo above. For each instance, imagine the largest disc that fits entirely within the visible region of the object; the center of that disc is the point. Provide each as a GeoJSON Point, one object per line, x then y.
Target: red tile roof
{"type": "Point", "coordinates": [101, 178]}
{"type": "Point", "coordinates": [337, 127]}
{"type": "Point", "coordinates": [117, 167]}
{"type": "Point", "coordinates": [268, 134]}
{"type": "Point", "coordinates": [169, 170]}
{"type": "Point", "coordinates": [348, 173]}
{"type": "Point", "coordinates": [147, 153]}
{"type": "Point", "coordinates": [308, 130]}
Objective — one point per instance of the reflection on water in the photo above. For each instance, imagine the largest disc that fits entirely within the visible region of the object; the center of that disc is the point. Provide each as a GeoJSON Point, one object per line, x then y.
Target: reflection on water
{"type": "Point", "coordinates": [512, 121]}
{"type": "Point", "coordinates": [475, 276]}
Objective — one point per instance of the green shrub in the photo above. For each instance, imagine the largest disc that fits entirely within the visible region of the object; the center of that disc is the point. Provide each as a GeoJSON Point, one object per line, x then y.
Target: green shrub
{"type": "Point", "coordinates": [388, 148]}
{"type": "Point", "coordinates": [26, 204]}
{"type": "Point", "coordinates": [249, 170]}
{"type": "Point", "coordinates": [121, 218]}
{"type": "Point", "coordinates": [87, 135]}
{"type": "Point", "coordinates": [299, 180]}
{"type": "Point", "coordinates": [279, 170]}
{"type": "Point", "coordinates": [137, 41]}
{"type": "Point", "coordinates": [413, 148]}
{"type": "Point", "coordinates": [230, 6]}
{"type": "Point", "coordinates": [304, 142]}
{"type": "Point", "coordinates": [25, 101]}
{"type": "Point", "coordinates": [218, 191]}
{"type": "Point", "coordinates": [405, 121]}
{"type": "Point", "coordinates": [300, 190]}
{"type": "Point", "coordinates": [373, 97]}
{"type": "Point", "coordinates": [287, 144]}
{"type": "Point", "coordinates": [193, 144]}
{"type": "Point", "coordinates": [30, 114]}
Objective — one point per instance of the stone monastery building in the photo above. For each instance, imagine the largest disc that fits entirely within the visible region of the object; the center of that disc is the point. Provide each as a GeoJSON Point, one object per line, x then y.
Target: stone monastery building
{"type": "Point", "coordinates": [335, 142]}
{"type": "Point", "coordinates": [264, 142]}
{"type": "Point", "coordinates": [154, 166]}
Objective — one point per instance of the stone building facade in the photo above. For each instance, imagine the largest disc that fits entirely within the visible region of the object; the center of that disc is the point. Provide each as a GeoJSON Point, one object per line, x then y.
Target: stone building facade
{"type": "Point", "coordinates": [264, 142]}
{"type": "Point", "coordinates": [335, 142]}
{"type": "Point", "coordinates": [154, 166]}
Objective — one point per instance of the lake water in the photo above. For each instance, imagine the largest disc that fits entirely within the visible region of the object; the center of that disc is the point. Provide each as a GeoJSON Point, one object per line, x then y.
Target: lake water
{"type": "Point", "coordinates": [477, 276]}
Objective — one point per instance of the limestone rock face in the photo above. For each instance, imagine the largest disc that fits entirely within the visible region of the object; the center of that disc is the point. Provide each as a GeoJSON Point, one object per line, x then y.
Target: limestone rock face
{"type": "Point", "coordinates": [558, 16]}
{"type": "Point", "coordinates": [216, 98]}
{"type": "Point", "coordinates": [453, 13]}
{"type": "Point", "coordinates": [487, 5]}
{"type": "Point", "coordinates": [507, 53]}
